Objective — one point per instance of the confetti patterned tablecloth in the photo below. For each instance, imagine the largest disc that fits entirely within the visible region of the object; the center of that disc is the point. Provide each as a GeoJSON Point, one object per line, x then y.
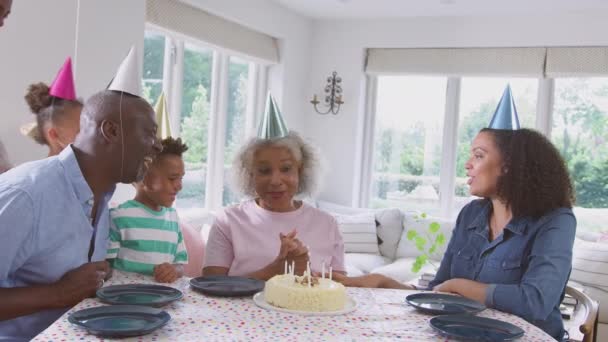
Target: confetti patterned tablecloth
{"type": "Point", "coordinates": [381, 315]}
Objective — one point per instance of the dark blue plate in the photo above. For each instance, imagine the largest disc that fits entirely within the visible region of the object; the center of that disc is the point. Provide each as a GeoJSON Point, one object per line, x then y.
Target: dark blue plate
{"type": "Point", "coordinates": [225, 286]}
{"type": "Point", "coordinates": [120, 320]}
{"type": "Point", "coordinates": [139, 294]}
{"type": "Point", "coordinates": [467, 327]}
{"type": "Point", "coordinates": [443, 304]}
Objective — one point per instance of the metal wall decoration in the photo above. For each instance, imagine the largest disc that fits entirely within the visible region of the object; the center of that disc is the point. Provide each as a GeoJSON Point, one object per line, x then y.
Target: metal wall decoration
{"type": "Point", "coordinates": [333, 95]}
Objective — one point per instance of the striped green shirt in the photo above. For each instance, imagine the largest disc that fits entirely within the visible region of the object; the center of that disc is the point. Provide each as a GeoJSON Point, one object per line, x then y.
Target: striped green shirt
{"type": "Point", "coordinates": [141, 238]}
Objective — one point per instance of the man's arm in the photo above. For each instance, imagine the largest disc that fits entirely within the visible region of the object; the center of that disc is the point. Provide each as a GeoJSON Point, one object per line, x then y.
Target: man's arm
{"type": "Point", "coordinates": [17, 228]}
{"type": "Point", "coordinates": [73, 287]}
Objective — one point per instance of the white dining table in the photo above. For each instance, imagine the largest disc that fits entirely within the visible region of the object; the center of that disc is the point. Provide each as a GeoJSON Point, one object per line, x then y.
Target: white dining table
{"type": "Point", "coordinates": [381, 315]}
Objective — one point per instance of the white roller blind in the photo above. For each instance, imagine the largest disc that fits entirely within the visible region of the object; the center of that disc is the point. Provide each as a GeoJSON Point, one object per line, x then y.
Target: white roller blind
{"type": "Point", "coordinates": [577, 61]}
{"type": "Point", "coordinates": [457, 61]}
{"type": "Point", "coordinates": [196, 23]}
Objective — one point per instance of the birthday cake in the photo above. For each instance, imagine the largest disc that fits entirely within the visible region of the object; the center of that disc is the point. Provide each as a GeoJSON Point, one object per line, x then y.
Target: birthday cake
{"type": "Point", "coordinates": [305, 293]}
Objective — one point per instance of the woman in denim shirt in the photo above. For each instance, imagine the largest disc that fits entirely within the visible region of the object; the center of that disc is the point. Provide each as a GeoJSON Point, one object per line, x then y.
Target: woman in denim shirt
{"type": "Point", "coordinates": [512, 249]}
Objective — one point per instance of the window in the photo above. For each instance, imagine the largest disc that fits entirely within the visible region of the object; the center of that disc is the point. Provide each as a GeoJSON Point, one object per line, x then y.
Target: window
{"type": "Point", "coordinates": [407, 149]}
{"type": "Point", "coordinates": [194, 123]}
{"type": "Point", "coordinates": [411, 143]}
{"type": "Point", "coordinates": [580, 133]}
{"type": "Point", "coordinates": [154, 50]}
{"type": "Point", "coordinates": [194, 79]}
{"type": "Point", "coordinates": [238, 74]}
{"type": "Point", "coordinates": [478, 100]}
{"type": "Point", "coordinates": [560, 91]}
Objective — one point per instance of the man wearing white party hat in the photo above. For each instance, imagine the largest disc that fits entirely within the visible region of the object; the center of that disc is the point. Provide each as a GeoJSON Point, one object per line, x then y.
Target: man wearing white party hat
{"type": "Point", "coordinates": [128, 76]}
{"type": "Point", "coordinates": [274, 228]}
{"type": "Point", "coordinates": [54, 219]}
{"type": "Point", "coordinates": [127, 83]}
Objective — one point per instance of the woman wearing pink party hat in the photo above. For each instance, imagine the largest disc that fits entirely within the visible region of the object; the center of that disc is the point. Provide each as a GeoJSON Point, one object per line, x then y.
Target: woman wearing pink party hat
{"type": "Point", "coordinates": [57, 111]}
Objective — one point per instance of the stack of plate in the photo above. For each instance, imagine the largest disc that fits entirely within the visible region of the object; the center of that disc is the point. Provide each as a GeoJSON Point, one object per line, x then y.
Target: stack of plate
{"type": "Point", "coordinates": [457, 318]}
{"type": "Point", "coordinates": [133, 311]}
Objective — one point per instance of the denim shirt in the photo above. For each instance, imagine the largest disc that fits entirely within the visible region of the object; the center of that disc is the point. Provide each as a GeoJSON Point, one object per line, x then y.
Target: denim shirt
{"type": "Point", "coordinates": [45, 231]}
{"type": "Point", "coordinates": [526, 267]}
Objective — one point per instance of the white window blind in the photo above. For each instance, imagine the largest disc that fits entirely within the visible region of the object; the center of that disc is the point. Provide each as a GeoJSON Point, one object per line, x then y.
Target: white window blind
{"type": "Point", "coordinates": [576, 61]}
{"type": "Point", "coordinates": [528, 62]}
{"type": "Point", "coordinates": [198, 24]}
{"type": "Point", "coordinates": [549, 62]}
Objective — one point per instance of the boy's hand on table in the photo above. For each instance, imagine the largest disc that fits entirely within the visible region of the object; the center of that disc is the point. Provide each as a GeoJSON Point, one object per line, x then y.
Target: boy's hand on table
{"type": "Point", "coordinates": [167, 273]}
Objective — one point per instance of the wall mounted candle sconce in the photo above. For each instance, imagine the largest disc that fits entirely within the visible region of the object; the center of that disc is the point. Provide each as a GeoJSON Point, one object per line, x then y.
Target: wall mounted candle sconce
{"type": "Point", "coordinates": [333, 95]}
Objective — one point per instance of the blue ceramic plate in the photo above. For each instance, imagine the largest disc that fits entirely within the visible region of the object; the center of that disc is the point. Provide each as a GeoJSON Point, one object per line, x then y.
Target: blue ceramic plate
{"type": "Point", "coordinates": [120, 320]}
{"type": "Point", "coordinates": [443, 304]}
{"type": "Point", "coordinates": [139, 294]}
{"type": "Point", "coordinates": [474, 328]}
{"type": "Point", "coordinates": [225, 286]}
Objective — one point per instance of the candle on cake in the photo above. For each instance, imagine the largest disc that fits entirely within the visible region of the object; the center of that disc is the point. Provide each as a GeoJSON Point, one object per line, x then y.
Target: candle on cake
{"type": "Point", "coordinates": [323, 270]}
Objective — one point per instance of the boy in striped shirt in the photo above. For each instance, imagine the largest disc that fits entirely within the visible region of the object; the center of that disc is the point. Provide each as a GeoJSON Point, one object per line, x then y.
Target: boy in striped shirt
{"type": "Point", "coordinates": [144, 233]}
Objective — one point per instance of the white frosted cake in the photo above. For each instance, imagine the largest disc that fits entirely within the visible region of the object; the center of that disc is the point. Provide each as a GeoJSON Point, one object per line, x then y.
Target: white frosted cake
{"type": "Point", "coordinates": [294, 293]}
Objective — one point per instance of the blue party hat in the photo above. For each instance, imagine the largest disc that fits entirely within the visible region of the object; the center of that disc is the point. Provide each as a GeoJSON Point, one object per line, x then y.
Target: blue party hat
{"type": "Point", "coordinates": [505, 116]}
{"type": "Point", "coordinates": [272, 125]}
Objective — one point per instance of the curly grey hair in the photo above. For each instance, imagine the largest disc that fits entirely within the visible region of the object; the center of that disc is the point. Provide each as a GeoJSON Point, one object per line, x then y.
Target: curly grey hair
{"type": "Point", "coordinates": [302, 151]}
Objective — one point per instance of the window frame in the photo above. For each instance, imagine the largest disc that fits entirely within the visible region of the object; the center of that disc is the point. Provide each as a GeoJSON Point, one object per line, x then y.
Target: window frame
{"type": "Point", "coordinates": [173, 70]}
{"type": "Point", "coordinates": [447, 176]}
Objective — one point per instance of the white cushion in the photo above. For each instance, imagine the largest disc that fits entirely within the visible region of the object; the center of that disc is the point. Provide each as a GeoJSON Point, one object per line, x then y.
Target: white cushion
{"type": "Point", "coordinates": [407, 248]}
{"type": "Point", "coordinates": [401, 270]}
{"type": "Point", "coordinates": [590, 220]}
{"type": "Point", "coordinates": [389, 230]}
{"type": "Point", "coordinates": [341, 209]}
{"type": "Point", "coordinates": [358, 233]}
{"type": "Point", "coordinates": [588, 236]}
{"type": "Point", "coordinates": [364, 262]}
{"type": "Point", "coordinates": [590, 268]}
{"type": "Point", "coordinates": [352, 271]}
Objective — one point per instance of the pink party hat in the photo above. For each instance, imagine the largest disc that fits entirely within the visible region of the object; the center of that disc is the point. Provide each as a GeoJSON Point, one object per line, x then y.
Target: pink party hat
{"type": "Point", "coordinates": [63, 85]}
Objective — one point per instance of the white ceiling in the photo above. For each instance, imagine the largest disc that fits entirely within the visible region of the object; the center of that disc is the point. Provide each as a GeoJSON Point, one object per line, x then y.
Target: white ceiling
{"type": "Point", "coordinates": [375, 9]}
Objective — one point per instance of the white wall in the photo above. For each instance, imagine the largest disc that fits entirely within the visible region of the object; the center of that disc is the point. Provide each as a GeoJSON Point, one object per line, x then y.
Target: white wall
{"type": "Point", "coordinates": [106, 31]}
{"type": "Point", "coordinates": [340, 46]}
{"type": "Point", "coordinates": [37, 38]}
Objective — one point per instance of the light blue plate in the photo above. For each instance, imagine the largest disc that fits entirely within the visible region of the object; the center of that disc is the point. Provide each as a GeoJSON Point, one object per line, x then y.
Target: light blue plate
{"type": "Point", "coordinates": [443, 304]}
{"type": "Point", "coordinates": [474, 328]}
{"type": "Point", "coordinates": [120, 320]}
{"type": "Point", "coordinates": [139, 294]}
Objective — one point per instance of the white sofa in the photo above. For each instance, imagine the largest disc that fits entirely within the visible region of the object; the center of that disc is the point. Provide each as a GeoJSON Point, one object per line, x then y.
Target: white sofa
{"type": "Point", "coordinates": [396, 254]}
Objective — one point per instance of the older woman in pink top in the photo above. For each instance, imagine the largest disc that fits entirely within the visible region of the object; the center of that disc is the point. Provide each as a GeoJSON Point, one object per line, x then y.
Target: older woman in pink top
{"type": "Point", "coordinates": [257, 237]}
